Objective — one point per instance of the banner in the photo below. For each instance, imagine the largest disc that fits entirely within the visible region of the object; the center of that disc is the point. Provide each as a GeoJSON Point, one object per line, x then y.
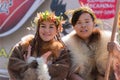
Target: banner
{"type": "Point", "coordinates": [119, 20]}
{"type": "Point", "coordinates": [14, 13]}
{"type": "Point", "coordinates": [104, 9]}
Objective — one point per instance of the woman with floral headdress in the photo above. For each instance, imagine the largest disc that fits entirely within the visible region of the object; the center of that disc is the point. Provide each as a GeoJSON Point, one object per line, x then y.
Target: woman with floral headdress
{"type": "Point", "coordinates": [88, 47]}
{"type": "Point", "coordinates": [43, 56]}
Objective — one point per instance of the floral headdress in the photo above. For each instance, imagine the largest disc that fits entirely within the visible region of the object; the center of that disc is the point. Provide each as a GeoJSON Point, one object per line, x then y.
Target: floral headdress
{"type": "Point", "coordinates": [47, 16]}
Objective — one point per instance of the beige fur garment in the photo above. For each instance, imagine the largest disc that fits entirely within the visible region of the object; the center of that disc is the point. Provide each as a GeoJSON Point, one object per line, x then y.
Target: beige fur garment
{"type": "Point", "coordinates": [85, 58]}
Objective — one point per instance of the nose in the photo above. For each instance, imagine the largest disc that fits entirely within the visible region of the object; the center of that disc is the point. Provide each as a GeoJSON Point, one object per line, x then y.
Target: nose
{"type": "Point", "coordinates": [47, 30]}
{"type": "Point", "coordinates": [83, 25]}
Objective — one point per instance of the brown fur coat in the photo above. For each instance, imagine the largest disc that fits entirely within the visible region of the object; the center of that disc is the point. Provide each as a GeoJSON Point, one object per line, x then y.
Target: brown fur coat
{"type": "Point", "coordinates": [19, 69]}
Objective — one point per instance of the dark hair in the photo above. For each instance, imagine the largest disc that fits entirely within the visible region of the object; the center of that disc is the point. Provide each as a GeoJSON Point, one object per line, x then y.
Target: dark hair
{"type": "Point", "coordinates": [37, 42]}
{"type": "Point", "coordinates": [78, 13]}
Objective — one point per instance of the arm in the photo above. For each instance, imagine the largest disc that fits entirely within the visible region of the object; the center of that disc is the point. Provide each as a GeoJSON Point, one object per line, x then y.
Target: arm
{"type": "Point", "coordinates": [16, 60]}
{"type": "Point", "coordinates": [60, 67]}
{"type": "Point", "coordinates": [75, 76]}
{"type": "Point", "coordinates": [17, 65]}
{"type": "Point", "coordinates": [115, 48]}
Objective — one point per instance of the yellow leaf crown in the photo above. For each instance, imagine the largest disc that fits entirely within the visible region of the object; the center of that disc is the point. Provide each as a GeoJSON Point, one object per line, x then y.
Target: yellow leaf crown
{"type": "Point", "coordinates": [48, 16]}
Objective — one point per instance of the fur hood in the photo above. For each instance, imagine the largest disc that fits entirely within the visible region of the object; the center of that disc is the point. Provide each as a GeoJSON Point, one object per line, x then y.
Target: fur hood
{"type": "Point", "coordinates": [88, 56]}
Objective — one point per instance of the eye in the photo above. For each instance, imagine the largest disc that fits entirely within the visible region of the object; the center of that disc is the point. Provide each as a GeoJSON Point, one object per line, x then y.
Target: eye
{"type": "Point", "coordinates": [87, 21]}
{"type": "Point", "coordinates": [42, 26]}
{"type": "Point", "coordinates": [78, 22]}
{"type": "Point", "coordinates": [52, 26]}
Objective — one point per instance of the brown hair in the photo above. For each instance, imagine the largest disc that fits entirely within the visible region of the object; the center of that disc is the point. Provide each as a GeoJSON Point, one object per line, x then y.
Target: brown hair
{"type": "Point", "coordinates": [38, 44]}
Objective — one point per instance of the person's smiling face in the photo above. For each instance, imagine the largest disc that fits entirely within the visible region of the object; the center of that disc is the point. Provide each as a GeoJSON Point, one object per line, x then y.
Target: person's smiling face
{"type": "Point", "coordinates": [47, 30]}
{"type": "Point", "coordinates": [84, 26]}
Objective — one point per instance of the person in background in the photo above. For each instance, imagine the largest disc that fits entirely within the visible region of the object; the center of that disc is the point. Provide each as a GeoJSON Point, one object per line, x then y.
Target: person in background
{"type": "Point", "coordinates": [88, 47]}
{"type": "Point", "coordinates": [114, 48]}
{"type": "Point", "coordinates": [42, 56]}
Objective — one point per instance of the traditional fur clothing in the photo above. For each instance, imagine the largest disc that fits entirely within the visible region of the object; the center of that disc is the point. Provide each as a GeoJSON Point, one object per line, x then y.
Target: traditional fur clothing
{"type": "Point", "coordinates": [20, 69]}
{"type": "Point", "coordinates": [89, 60]}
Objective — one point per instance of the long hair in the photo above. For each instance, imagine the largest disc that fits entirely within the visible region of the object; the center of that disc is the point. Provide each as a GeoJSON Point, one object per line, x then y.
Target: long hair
{"type": "Point", "coordinates": [37, 42]}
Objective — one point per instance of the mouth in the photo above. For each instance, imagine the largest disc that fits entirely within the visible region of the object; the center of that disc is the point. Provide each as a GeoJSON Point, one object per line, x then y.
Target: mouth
{"type": "Point", "coordinates": [46, 34]}
{"type": "Point", "coordinates": [83, 30]}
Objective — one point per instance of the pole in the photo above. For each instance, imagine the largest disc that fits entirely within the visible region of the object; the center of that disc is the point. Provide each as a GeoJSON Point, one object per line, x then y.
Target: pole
{"type": "Point", "coordinates": [112, 40]}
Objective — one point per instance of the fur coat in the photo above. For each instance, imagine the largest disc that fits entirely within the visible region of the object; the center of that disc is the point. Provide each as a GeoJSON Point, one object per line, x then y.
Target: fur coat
{"type": "Point", "coordinates": [20, 69]}
{"type": "Point", "coordinates": [89, 60]}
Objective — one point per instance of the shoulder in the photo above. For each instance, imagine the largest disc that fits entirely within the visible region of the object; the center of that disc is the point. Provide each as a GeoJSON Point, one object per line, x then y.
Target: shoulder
{"type": "Point", "coordinates": [25, 41]}
{"type": "Point", "coordinates": [71, 34]}
{"type": "Point", "coordinates": [69, 38]}
{"type": "Point", "coordinates": [105, 33]}
{"type": "Point", "coordinates": [106, 36]}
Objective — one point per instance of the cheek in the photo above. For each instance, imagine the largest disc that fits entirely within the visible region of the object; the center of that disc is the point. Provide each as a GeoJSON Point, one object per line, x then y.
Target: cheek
{"type": "Point", "coordinates": [76, 28]}
{"type": "Point", "coordinates": [91, 26]}
{"type": "Point", "coordinates": [40, 32]}
{"type": "Point", "coordinates": [54, 31]}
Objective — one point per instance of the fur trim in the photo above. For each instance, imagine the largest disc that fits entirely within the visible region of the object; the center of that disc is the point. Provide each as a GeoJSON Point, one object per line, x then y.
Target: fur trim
{"type": "Point", "coordinates": [30, 59]}
{"type": "Point", "coordinates": [42, 70]}
{"type": "Point", "coordinates": [79, 52]}
{"type": "Point", "coordinates": [27, 37]}
{"type": "Point", "coordinates": [26, 40]}
{"type": "Point", "coordinates": [101, 51]}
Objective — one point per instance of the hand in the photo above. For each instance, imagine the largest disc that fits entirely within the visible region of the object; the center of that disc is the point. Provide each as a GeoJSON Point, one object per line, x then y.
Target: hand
{"type": "Point", "coordinates": [28, 54]}
{"type": "Point", "coordinates": [75, 77]}
{"type": "Point", "coordinates": [75, 69]}
{"type": "Point", "coordinates": [46, 55]}
{"type": "Point", "coordinates": [33, 64]}
{"type": "Point", "coordinates": [110, 46]}
{"type": "Point", "coordinates": [113, 47]}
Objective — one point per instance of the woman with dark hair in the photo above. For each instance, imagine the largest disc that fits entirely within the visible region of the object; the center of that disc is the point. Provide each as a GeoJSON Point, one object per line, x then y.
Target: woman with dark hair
{"type": "Point", "coordinates": [43, 56]}
{"type": "Point", "coordinates": [88, 47]}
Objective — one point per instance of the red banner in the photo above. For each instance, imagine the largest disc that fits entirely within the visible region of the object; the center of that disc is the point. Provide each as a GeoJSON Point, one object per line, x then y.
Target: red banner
{"type": "Point", "coordinates": [13, 13]}
{"type": "Point", "coordinates": [119, 20]}
{"type": "Point", "coordinates": [104, 9]}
